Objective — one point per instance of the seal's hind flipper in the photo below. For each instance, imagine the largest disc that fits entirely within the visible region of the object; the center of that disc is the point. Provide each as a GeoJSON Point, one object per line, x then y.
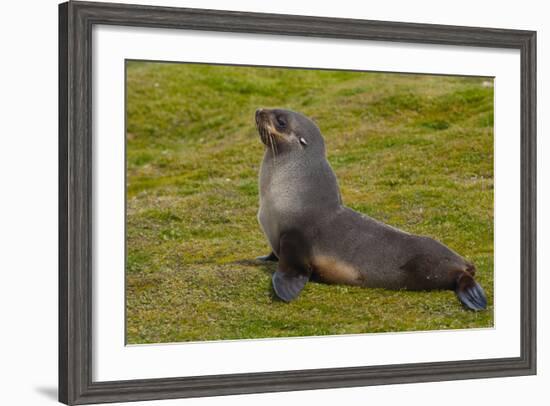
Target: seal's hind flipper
{"type": "Point", "coordinates": [268, 258]}
{"type": "Point", "coordinates": [470, 293]}
{"type": "Point", "coordinates": [287, 286]}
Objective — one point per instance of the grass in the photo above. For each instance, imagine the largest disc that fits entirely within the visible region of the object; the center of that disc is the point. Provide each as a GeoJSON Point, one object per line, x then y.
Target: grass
{"type": "Point", "coordinates": [415, 151]}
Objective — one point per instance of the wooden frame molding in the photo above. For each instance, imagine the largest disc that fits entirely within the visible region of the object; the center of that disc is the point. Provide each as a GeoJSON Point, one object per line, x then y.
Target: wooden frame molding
{"type": "Point", "coordinates": [76, 20]}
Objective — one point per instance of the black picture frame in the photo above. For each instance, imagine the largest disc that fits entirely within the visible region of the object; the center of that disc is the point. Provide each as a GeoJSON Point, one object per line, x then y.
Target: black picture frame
{"type": "Point", "coordinates": [76, 20]}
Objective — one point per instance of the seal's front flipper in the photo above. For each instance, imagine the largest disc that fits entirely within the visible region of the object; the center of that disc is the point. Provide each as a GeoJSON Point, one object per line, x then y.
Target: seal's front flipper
{"type": "Point", "coordinates": [287, 286]}
{"type": "Point", "coordinates": [470, 293]}
{"type": "Point", "coordinates": [271, 257]}
{"type": "Point", "coordinates": [293, 270]}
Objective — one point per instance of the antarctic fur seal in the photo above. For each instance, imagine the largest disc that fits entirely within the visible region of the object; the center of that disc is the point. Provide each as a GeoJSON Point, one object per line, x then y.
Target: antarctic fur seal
{"type": "Point", "coordinates": [314, 236]}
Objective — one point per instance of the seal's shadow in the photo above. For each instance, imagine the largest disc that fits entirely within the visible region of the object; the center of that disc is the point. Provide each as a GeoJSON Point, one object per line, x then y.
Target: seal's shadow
{"type": "Point", "coordinates": [267, 267]}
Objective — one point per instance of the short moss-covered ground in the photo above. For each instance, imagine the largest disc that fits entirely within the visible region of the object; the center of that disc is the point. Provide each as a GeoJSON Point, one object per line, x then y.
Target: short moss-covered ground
{"type": "Point", "coordinates": [415, 151]}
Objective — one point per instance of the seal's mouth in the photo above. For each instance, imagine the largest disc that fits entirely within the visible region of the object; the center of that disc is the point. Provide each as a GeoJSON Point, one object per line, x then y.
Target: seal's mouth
{"type": "Point", "coordinates": [260, 126]}
{"type": "Point", "coordinates": [268, 134]}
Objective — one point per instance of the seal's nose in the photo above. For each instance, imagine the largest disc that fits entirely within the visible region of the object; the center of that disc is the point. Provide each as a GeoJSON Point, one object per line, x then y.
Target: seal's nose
{"type": "Point", "coordinates": [258, 114]}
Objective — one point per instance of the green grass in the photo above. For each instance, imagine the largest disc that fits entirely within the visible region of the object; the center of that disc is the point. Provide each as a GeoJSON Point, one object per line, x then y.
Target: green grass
{"type": "Point", "coordinates": [415, 151]}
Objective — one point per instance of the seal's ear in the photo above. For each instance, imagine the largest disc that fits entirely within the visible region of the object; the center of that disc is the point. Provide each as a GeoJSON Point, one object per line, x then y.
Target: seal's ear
{"type": "Point", "coordinates": [292, 271]}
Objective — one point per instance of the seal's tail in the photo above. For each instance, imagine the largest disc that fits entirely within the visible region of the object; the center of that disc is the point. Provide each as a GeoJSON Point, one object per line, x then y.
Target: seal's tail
{"type": "Point", "coordinates": [470, 293]}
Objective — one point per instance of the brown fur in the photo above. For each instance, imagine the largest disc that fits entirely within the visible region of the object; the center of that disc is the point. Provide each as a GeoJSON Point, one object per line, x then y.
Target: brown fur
{"type": "Point", "coordinates": [332, 270]}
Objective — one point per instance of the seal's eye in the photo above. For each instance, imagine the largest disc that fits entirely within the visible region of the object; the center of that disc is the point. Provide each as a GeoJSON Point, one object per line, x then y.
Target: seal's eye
{"type": "Point", "coordinates": [281, 122]}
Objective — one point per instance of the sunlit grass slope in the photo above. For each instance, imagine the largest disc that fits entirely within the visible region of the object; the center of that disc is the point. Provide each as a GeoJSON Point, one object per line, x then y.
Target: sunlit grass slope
{"type": "Point", "coordinates": [415, 151]}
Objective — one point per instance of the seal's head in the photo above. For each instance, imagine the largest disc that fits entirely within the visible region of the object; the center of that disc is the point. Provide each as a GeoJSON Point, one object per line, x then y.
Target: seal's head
{"type": "Point", "coordinates": [282, 131]}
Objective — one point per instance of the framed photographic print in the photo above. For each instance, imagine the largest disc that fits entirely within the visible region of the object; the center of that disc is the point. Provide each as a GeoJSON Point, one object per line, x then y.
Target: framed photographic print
{"type": "Point", "coordinates": [259, 202]}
